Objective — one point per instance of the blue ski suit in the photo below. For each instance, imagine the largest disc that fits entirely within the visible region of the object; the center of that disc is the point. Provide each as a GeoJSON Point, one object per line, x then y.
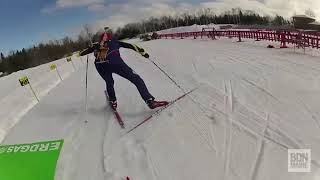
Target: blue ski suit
{"type": "Point", "coordinates": [113, 63]}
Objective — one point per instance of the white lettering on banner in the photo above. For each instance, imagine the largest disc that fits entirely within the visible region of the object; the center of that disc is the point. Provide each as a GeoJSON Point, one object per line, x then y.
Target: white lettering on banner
{"type": "Point", "coordinates": [3, 150]}
{"type": "Point", "coordinates": [44, 147]}
{"type": "Point", "coordinates": [34, 148]}
{"type": "Point", "coordinates": [40, 147]}
{"type": "Point", "coordinates": [54, 146]}
{"type": "Point", "coordinates": [17, 149]}
{"type": "Point", "coordinates": [25, 148]}
{"type": "Point", "coordinates": [10, 149]}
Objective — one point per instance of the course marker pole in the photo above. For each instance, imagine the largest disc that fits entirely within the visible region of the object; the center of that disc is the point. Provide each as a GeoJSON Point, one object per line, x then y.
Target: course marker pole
{"type": "Point", "coordinates": [54, 67]}
{"type": "Point", "coordinates": [25, 81]}
{"type": "Point", "coordinates": [34, 93]}
{"type": "Point", "coordinates": [69, 59]}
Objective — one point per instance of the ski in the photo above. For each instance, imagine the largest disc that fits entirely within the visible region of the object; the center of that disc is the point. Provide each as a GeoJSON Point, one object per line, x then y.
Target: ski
{"type": "Point", "coordinates": [119, 119]}
{"type": "Point", "coordinates": [116, 113]}
{"type": "Point", "coordinates": [157, 112]}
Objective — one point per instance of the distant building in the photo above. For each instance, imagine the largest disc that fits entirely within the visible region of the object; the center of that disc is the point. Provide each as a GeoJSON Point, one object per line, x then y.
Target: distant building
{"type": "Point", "coordinates": [305, 22]}
{"type": "Point", "coordinates": [315, 26]}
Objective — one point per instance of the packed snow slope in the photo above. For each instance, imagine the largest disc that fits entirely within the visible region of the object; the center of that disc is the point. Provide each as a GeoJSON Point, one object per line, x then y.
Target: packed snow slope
{"type": "Point", "coordinates": [195, 28]}
{"type": "Point", "coordinates": [251, 104]}
{"type": "Point", "coordinates": [192, 28]}
{"type": "Point", "coordinates": [16, 101]}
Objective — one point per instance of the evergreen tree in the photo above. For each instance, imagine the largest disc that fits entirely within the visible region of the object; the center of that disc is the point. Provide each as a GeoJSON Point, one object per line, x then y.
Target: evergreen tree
{"type": "Point", "coordinates": [56, 49]}
{"type": "Point", "coordinates": [1, 56]}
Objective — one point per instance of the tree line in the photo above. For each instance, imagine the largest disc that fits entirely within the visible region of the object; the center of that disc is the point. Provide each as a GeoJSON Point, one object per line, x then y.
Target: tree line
{"type": "Point", "coordinates": [56, 49]}
{"type": "Point", "coordinates": [40, 54]}
{"type": "Point", "coordinates": [203, 17]}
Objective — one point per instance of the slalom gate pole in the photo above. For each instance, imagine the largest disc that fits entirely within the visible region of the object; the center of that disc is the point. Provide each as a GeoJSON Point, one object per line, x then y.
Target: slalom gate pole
{"type": "Point", "coordinates": [86, 96]}
{"type": "Point", "coordinates": [164, 72]}
{"type": "Point", "coordinates": [34, 93]}
{"type": "Point", "coordinates": [59, 74]}
{"type": "Point", "coordinates": [74, 67]}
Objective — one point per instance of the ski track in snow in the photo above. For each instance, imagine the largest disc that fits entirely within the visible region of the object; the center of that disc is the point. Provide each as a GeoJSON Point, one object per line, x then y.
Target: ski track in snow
{"type": "Point", "coordinates": [251, 104]}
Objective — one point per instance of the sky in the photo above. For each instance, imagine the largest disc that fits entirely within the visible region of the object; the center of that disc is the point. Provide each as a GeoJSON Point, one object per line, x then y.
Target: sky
{"type": "Point", "coordinates": [24, 23]}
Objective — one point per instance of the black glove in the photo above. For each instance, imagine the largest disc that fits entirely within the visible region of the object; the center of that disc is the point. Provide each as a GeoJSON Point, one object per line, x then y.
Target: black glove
{"type": "Point", "coordinates": [143, 52]}
{"type": "Point", "coordinates": [146, 55]}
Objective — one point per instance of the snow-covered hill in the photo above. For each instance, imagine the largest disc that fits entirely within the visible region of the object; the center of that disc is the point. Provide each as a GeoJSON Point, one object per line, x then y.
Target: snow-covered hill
{"type": "Point", "coordinates": [251, 104]}
{"type": "Point", "coordinates": [194, 28]}
{"type": "Point", "coordinates": [16, 101]}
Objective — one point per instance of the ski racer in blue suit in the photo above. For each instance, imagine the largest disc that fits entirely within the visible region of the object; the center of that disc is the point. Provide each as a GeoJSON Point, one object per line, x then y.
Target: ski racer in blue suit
{"type": "Point", "coordinates": [109, 61]}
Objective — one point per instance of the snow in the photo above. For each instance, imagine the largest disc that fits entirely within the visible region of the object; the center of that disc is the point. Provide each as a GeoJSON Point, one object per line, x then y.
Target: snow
{"type": "Point", "coordinates": [251, 104]}
{"type": "Point", "coordinates": [16, 101]}
{"type": "Point", "coordinates": [302, 16]}
{"type": "Point", "coordinates": [193, 28]}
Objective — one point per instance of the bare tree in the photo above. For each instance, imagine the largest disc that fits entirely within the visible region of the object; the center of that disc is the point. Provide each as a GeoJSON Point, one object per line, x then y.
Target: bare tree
{"type": "Point", "coordinates": [171, 19]}
{"type": "Point", "coordinates": [88, 32]}
{"type": "Point", "coordinates": [207, 13]}
{"type": "Point", "coordinates": [176, 18]}
{"type": "Point", "coordinates": [199, 14]}
{"type": "Point", "coordinates": [143, 27]}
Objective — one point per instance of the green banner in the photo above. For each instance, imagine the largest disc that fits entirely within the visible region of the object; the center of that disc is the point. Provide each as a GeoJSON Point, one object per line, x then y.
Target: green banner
{"type": "Point", "coordinates": [35, 161]}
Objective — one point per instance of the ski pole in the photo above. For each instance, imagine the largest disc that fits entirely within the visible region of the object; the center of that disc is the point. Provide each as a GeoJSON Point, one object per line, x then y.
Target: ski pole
{"type": "Point", "coordinates": [165, 73]}
{"type": "Point", "coordinates": [86, 97]}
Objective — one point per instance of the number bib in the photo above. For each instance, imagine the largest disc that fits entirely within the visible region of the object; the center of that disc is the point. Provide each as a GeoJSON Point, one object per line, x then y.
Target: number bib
{"type": "Point", "coordinates": [102, 54]}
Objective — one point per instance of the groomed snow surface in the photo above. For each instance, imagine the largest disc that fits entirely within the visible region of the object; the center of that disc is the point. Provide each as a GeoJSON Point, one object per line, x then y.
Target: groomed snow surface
{"type": "Point", "coordinates": [194, 28]}
{"type": "Point", "coordinates": [251, 104]}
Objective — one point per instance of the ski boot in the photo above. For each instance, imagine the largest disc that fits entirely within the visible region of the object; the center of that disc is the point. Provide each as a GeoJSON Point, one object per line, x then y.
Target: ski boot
{"type": "Point", "coordinates": [152, 104]}
{"type": "Point", "coordinates": [113, 105]}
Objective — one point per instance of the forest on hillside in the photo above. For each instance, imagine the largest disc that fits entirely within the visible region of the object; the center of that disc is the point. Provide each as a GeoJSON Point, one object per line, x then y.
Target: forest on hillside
{"type": "Point", "coordinates": [56, 49]}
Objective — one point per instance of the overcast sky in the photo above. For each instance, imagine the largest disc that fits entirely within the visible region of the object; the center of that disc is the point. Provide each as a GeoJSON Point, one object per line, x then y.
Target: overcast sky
{"type": "Point", "coordinates": [27, 22]}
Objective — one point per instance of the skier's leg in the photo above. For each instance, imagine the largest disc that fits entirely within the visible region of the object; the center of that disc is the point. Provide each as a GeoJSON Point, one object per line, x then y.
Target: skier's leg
{"type": "Point", "coordinates": [106, 73]}
{"type": "Point", "coordinates": [126, 72]}
{"type": "Point", "coordinates": [110, 87]}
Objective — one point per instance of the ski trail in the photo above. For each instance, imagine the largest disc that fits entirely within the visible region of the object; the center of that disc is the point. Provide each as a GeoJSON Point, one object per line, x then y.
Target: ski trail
{"type": "Point", "coordinates": [211, 66]}
{"type": "Point", "coordinates": [212, 136]}
{"type": "Point", "coordinates": [93, 129]}
{"type": "Point", "coordinates": [155, 172]}
{"type": "Point", "coordinates": [230, 120]}
{"type": "Point", "coordinates": [260, 88]}
{"type": "Point", "coordinates": [207, 123]}
{"type": "Point", "coordinates": [103, 153]}
{"type": "Point", "coordinates": [209, 139]}
{"type": "Point", "coordinates": [69, 155]}
{"type": "Point", "coordinates": [313, 117]}
{"type": "Point", "coordinates": [194, 66]}
{"type": "Point", "coordinates": [260, 154]}
{"type": "Point", "coordinates": [283, 132]}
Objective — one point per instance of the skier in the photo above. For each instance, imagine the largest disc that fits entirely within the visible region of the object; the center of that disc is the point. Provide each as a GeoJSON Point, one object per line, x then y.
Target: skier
{"type": "Point", "coordinates": [109, 61]}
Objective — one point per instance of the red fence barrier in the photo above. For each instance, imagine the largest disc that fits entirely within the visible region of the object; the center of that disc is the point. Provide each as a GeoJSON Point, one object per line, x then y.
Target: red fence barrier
{"type": "Point", "coordinates": [296, 38]}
